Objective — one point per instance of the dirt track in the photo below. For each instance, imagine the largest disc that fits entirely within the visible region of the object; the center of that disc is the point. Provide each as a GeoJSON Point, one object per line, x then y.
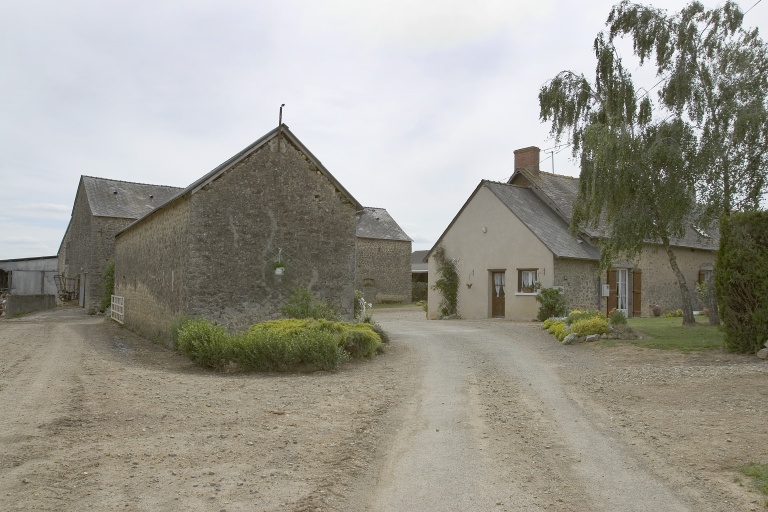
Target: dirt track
{"type": "Point", "coordinates": [454, 416]}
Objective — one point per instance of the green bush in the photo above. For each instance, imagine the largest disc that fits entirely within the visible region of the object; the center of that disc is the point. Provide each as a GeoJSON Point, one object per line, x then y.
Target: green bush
{"type": "Point", "coordinates": [577, 315]}
{"type": "Point", "coordinates": [617, 317]}
{"type": "Point", "coordinates": [591, 325]}
{"type": "Point", "coordinates": [741, 280]}
{"type": "Point", "coordinates": [419, 291]}
{"type": "Point", "coordinates": [278, 345]}
{"type": "Point", "coordinates": [673, 313]}
{"type": "Point", "coordinates": [552, 303]}
{"type": "Point", "coordinates": [108, 285]}
{"type": "Point", "coordinates": [303, 304]}
{"type": "Point", "coordinates": [206, 343]}
{"type": "Point", "coordinates": [559, 329]}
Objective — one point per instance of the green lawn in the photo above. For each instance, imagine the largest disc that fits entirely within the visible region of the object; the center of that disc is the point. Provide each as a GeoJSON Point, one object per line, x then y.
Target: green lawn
{"type": "Point", "coordinates": [670, 334]}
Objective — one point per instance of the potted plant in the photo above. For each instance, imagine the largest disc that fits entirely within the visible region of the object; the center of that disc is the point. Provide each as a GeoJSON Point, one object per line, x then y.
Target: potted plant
{"type": "Point", "coordinates": [278, 267]}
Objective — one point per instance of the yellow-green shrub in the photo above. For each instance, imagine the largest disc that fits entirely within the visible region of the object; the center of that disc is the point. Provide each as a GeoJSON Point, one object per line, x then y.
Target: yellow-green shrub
{"type": "Point", "coordinates": [559, 329]}
{"type": "Point", "coordinates": [577, 315]}
{"type": "Point", "coordinates": [591, 325]}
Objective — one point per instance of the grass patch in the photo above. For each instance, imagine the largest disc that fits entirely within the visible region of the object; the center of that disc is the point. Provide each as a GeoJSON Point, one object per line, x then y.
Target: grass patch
{"type": "Point", "coordinates": [670, 334]}
{"type": "Point", "coordinates": [759, 474]}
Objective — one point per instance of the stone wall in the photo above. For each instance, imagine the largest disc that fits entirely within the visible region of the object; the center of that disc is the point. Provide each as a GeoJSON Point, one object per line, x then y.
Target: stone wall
{"type": "Point", "coordinates": [274, 204]}
{"type": "Point", "coordinates": [22, 304]}
{"type": "Point", "coordinates": [383, 270]}
{"type": "Point", "coordinates": [211, 253]}
{"type": "Point", "coordinates": [580, 280]}
{"type": "Point", "coordinates": [151, 271]}
{"type": "Point", "coordinates": [88, 245]}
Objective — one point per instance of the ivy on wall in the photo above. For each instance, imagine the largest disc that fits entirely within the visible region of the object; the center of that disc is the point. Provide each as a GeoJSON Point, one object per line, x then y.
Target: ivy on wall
{"type": "Point", "coordinates": [447, 283]}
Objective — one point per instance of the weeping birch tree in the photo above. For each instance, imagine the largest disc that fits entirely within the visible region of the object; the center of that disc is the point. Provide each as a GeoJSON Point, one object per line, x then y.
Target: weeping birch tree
{"type": "Point", "coordinates": [649, 169]}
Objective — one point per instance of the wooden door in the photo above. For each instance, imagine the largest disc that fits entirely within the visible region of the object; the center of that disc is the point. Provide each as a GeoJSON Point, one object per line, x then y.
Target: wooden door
{"type": "Point", "coordinates": [498, 282]}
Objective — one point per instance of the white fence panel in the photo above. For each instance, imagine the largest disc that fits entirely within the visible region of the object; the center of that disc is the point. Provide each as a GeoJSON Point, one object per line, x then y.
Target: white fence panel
{"type": "Point", "coordinates": [118, 309]}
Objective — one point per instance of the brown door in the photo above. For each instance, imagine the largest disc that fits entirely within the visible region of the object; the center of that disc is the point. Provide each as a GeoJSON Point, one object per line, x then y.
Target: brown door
{"type": "Point", "coordinates": [497, 294]}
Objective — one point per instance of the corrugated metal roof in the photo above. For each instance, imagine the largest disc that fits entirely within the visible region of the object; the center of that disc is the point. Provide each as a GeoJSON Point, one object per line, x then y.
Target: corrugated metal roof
{"type": "Point", "coordinates": [377, 223]}
{"type": "Point", "coordinates": [417, 261]}
{"type": "Point", "coordinates": [123, 199]}
{"type": "Point", "coordinates": [546, 224]}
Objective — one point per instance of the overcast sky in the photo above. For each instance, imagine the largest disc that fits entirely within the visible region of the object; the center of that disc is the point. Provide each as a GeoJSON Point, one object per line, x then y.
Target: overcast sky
{"type": "Point", "coordinates": [409, 103]}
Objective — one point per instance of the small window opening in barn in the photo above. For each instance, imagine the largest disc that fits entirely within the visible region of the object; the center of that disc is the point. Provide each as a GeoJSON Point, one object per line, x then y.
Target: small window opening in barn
{"type": "Point", "coordinates": [368, 282]}
{"type": "Point", "coordinates": [151, 196]}
{"type": "Point", "coordinates": [114, 192]}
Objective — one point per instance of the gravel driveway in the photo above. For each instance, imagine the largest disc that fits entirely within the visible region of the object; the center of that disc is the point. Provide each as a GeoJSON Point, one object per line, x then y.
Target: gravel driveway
{"type": "Point", "coordinates": [455, 415]}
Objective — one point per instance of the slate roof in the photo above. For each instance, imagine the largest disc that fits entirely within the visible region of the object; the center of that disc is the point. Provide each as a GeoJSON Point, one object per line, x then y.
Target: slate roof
{"type": "Point", "coordinates": [545, 223]}
{"type": "Point", "coordinates": [418, 265]}
{"type": "Point", "coordinates": [377, 223]}
{"type": "Point", "coordinates": [234, 160]}
{"type": "Point", "coordinates": [560, 193]}
{"type": "Point", "coordinates": [123, 199]}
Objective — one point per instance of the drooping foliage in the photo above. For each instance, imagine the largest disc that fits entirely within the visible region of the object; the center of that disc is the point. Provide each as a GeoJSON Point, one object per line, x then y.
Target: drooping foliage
{"type": "Point", "coordinates": [649, 170]}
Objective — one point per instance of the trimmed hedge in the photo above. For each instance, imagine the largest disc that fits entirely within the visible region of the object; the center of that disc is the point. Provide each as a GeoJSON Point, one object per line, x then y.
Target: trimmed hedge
{"type": "Point", "coordinates": [741, 280]}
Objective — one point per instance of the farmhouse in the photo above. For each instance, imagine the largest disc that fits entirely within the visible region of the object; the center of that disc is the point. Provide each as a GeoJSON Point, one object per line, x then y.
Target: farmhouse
{"type": "Point", "coordinates": [233, 245]}
{"type": "Point", "coordinates": [510, 239]}
{"type": "Point", "coordinates": [102, 208]}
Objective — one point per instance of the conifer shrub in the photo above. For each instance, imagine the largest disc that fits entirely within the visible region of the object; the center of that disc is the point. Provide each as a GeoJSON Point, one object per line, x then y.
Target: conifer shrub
{"type": "Point", "coordinates": [741, 280]}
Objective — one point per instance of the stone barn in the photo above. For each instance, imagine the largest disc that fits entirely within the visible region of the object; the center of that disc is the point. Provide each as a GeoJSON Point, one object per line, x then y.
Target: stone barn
{"type": "Point", "coordinates": [102, 208]}
{"type": "Point", "coordinates": [233, 245]}
{"type": "Point", "coordinates": [383, 258]}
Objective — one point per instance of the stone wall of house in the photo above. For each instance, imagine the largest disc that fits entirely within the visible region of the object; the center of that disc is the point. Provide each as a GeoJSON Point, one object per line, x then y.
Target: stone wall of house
{"type": "Point", "coordinates": [88, 245]}
{"type": "Point", "coordinates": [580, 280]}
{"type": "Point", "coordinates": [659, 284]}
{"type": "Point", "coordinates": [74, 257]}
{"type": "Point", "coordinates": [383, 270]}
{"type": "Point", "coordinates": [151, 271]}
{"type": "Point", "coordinates": [273, 205]}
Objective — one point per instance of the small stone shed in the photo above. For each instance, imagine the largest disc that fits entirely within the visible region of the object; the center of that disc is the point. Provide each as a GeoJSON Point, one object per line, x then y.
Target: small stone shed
{"type": "Point", "coordinates": [383, 258]}
{"type": "Point", "coordinates": [102, 208]}
{"type": "Point", "coordinates": [212, 249]}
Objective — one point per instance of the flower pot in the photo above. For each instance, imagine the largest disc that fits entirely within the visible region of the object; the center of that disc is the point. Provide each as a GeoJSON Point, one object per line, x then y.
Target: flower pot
{"type": "Point", "coordinates": [279, 271]}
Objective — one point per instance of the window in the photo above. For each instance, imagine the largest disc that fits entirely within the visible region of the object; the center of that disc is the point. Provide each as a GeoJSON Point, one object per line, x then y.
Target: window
{"type": "Point", "coordinates": [705, 275]}
{"type": "Point", "coordinates": [526, 280]}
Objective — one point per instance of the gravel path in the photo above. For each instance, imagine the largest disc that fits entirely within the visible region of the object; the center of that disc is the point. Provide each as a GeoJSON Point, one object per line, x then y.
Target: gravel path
{"type": "Point", "coordinates": [445, 457]}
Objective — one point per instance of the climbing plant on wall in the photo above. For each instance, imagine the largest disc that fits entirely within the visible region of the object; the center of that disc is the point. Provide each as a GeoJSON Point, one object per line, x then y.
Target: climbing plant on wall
{"type": "Point", "coordinates": [447, 283]}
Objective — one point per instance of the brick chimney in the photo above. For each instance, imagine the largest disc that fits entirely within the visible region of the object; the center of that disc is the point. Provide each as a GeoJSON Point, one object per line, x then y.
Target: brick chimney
{"type": "Point", "coordinates": [527, 158]}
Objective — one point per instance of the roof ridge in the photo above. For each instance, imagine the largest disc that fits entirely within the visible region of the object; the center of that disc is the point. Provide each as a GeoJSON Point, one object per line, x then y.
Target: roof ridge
{"type": "Point", "coordinates": [129, 182]}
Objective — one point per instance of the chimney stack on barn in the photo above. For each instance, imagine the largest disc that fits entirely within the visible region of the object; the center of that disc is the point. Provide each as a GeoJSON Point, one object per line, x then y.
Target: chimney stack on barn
{"type": "Point", "coordinates": [528, 159]}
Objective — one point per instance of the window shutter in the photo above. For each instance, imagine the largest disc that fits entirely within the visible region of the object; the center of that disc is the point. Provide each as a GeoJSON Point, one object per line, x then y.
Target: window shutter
{"type": "Point", "coordinates": [637, 288]}
{"type": "Point", "coordinates": [613, 299]}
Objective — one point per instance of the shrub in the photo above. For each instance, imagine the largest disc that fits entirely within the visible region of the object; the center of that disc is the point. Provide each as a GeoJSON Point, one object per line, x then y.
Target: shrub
{"type": "Point", "coordinates": [552, 303]}
{"type": "Point", "coordinates": [380, 331]}
{"type": "Point", "coordinates": [617, 317]}
{"type": "Point", "coordinates": [590, 325]}
{"type": "Point", "coordinates": [419, 291]}
{"type": "Point", "coordinates": [206, 343]}
{"type": "Point", "coordinates": [108, 285]}
{"type": "Point", "coordinates": [303, 304]}
{"type": "Point", "coordinates": [577, 315]}
{"type": "Point", "coordinates": [741, 280]}
{"type": "Point", "coordinates": [672, 313]}
{"type": "Point", "coordinates": [558, 328]}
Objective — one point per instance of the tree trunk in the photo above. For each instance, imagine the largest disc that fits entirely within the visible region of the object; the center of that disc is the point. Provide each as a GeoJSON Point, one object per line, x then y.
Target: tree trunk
{"type": "Point", "coordinates": [714, 313]}
{"type": "Point", "coordinates": [685, 293]}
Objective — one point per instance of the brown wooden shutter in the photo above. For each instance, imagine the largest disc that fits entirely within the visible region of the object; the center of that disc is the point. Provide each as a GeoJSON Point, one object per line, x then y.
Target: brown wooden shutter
{"type": "Point", "coordinates": [613, 299]}
{"type": "Point", "coordinates": [637, 288]}
{"type": "Point", "coordinates": [701, 276]}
